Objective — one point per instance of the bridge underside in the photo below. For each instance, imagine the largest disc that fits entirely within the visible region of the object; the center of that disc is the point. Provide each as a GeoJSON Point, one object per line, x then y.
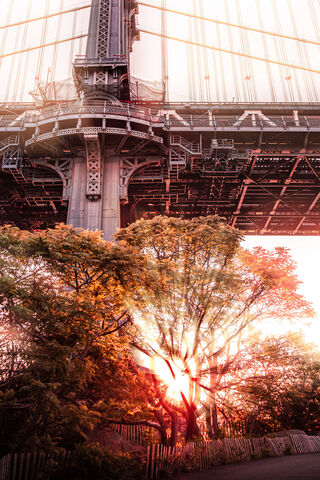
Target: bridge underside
{"type": "Point", "coordinates": [270, 201]}
{"type": "Point", "coordinates": [259, 169]}
{"type": "Point", "coordinates": [33, 202]}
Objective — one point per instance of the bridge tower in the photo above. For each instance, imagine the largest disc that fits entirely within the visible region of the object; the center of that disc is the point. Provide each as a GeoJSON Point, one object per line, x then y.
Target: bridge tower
{"type": "Point", "coordinates": [101, 77]}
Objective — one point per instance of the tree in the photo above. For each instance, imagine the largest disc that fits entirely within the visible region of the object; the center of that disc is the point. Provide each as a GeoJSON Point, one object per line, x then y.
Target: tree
{"type": "Point", "coordinates": [62, 334]}
{"type": "Point", "coordinates": [69, 284]}
{"type": "Point", "coordinates": [181, 292]}
{"type": "Point", "coordinates": [278, 387]}
{"type": "Point", "coordinates": [197, 295]}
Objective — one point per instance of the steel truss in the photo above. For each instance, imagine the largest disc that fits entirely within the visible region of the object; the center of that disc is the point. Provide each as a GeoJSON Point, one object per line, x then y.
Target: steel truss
{"type": "Point", "coordinates": [177, 164]}
{"type": "Point", "coordinates": [94, 167]}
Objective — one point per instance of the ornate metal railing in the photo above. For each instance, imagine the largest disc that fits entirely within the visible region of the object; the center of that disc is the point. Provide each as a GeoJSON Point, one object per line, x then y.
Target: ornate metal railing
{"type": "Point", "coordinates": [157, 117]}
{"type": "Point", "coordinates": [93, 131]}
{"type": "Point", "coordinates": [103, 110]}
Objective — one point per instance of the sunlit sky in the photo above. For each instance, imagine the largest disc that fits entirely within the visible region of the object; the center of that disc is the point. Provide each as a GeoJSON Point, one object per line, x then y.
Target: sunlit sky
{"type": "Point", "coordinates": [306, 253]}
{"type": "Point", "coordinates": [230, 77]}
{"type": "Point", "coordinates": [18, 73]}
{"type": "Point", "coordinates": [194, 73]}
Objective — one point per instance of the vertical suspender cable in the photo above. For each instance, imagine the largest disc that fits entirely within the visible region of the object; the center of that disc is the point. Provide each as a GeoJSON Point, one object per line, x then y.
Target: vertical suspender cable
{"type": "Point", "coordinates": [266, 54]}
{"type": "Point", "coordinates": [25, 69]}
{"type": "Point", "coordinates": [205, 54]}
{"type": "Point", "coordinates": [56, 47]}
{"type": "Point", "coordinates": [303, 57]}
{"type": "Point", "coordinates": [233, 59]}
{"type": "Point", "coordinates": [243, 65]}
{"type": "Point", "coordinates": [81, 47]}
{"type": "Point", "coordinates": [189, 61]}
{"type": "Point", "coordinates": [77, 45]}
{"type": "Point", "coordinates": [42, 42]}
{"type": "Point", "coordinates": [221, 69]}
{"type": "Point", "coordinates": [316, 27]}
{"type": "Point", "coordinates": [246, 48]}
{"type": "Point", "coordinates": [10, 74]}
{"type": "Point", "coordinates": [284, 71]}
{"type": "Point", "coordinates": [5, 35]}
{"type": "Point", "coordinates": [21, 56]}
{"type": "Point", "coordinates": [199, 56]}
{"type": "Point", "coordinates": [192, 63]}
{"type": "Point", "coordinates": [164, 53]}
{"type": "Point", "coordinates": [71, 58]}
{"type": "Point", "coordinates": [216, 77]}
{"type": "Point", "coordinates": [285, 57]}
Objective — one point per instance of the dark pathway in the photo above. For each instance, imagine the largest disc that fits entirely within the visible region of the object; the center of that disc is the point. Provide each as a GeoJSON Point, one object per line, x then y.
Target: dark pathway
{"type": "Point", "coordinates": [296, 467]}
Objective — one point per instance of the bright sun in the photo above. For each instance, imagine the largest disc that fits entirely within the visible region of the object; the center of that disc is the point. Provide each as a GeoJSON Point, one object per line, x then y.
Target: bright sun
{"type": "Point", "coordinates": [174, 375]}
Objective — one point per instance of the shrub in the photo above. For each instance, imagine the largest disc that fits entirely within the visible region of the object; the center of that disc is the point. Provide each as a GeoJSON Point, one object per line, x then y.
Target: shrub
{"type": "Point", "coordinates": [94, 462]}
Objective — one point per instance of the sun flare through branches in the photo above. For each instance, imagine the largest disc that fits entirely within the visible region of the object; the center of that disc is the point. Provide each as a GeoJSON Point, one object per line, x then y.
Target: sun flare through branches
{"type": "Point", "coordinates": [198, 295]}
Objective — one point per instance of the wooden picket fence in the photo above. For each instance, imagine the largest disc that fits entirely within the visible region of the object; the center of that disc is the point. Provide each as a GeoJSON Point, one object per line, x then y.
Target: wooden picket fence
{"type": "Point", "coordinates": [133, 433]}
{"type": "Point", "coordinates": [24, 466]}
{"type": "Point", "coordinates": [159, 458]}
{"type": "Point", "coordinates": [203, 455]}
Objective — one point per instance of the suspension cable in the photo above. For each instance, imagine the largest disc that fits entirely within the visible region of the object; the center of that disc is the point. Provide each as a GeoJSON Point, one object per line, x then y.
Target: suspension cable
{"type": "Point", "coordinates": [20, 61]}
{"type": "Point", "coordinates": [43, 40]}
{"type": "Point", "coordinates": [231, 52]}
{"type": "Point", "coordinates": [49, 15]}
{"type": "Point", "coordinates": [71, 57]}
{"type": "Point", "coordinates": [55, 52]}
{"type": "Point", "coordinates": [235, 25]}
{"type": "Point", "coordinates": [44, 46]}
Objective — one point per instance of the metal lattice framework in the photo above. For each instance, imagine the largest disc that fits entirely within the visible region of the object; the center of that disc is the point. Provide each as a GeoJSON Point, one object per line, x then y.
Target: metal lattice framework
{"type": "Point", "coordinates": [94, 167]}
{"type": "Point", "coordinates": [103, 37]}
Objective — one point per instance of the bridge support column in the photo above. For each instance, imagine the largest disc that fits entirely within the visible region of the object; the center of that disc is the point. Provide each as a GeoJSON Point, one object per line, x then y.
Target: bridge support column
{"type": "Point", "coordinates": [100, 209]}
{"type": "Point", "coordinates": [111, 197]}
{"type": "Point", "coordinates": [77, 211]}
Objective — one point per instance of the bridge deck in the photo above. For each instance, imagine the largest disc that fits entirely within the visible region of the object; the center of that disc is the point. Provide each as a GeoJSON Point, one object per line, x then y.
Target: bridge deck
{"type": "Point", "coordinates": [260, 169]}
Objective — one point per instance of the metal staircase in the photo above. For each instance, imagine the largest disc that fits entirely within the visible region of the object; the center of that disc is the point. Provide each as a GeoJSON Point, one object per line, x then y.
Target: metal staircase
{"type": "Point", "coordinates": [12, 159]}
{"type": "Point", "coordinates": [177, 157]}
{"type": "Point", "coordinates": [183, 144]}
{"type": "Point", "coordinates": [174, 173]}
{"type": "Point", "coordinates": [9, 142]}
{"type": "Point", "coordinates": [12, 162]}
{"type": "Point", "coordinates": [179, 154]}
{"type": "Point", "coordinates": [181, 150]}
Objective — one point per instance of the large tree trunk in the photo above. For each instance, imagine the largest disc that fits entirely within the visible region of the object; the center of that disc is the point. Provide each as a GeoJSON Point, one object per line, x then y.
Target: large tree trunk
{"type": "Point", "coordinates": [162, 429]}
{"type": "Point", "coordinates": [212, 424]}
{"type": "Point", "coordinates": [192, 430]}
{"type": "Point", "coordinates": [163, 436]}
{"type": "Point", "coordinates": [209, 428]}
{"type": "Point", "coordinates": [171, 412]}
{"type": "Point", "coordinates": [174, 429]}
{"type": "Point", "coordinates": [214, 414]}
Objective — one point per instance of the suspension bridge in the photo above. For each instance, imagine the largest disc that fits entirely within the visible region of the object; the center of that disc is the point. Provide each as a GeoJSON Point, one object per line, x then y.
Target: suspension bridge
{"type": "Point", "coordinates": [113, 110]}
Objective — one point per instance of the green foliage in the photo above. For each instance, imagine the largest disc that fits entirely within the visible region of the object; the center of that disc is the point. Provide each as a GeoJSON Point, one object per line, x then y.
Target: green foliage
{"type": "Point", "coordinates": [93, 462]}
{"type": "Point", "coordinates": [63, 363]}
{"type": "Point", "coordinates": [278, 387]}
{"type": "Point", "coordinates": [72, 305]}
{"type": "Point", "coordinates": [199, 292]}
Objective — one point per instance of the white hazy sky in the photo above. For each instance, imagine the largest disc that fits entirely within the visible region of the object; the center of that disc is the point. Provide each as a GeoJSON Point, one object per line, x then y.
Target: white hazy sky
{"type": "Point", "coordinates": [228, 77]}
{"type": "Point", "coordinates": [231, 77]}
{"type": "Point", "coordinates": [306, 253]}
{"type": "Point", "coordinates": [227, 74]}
